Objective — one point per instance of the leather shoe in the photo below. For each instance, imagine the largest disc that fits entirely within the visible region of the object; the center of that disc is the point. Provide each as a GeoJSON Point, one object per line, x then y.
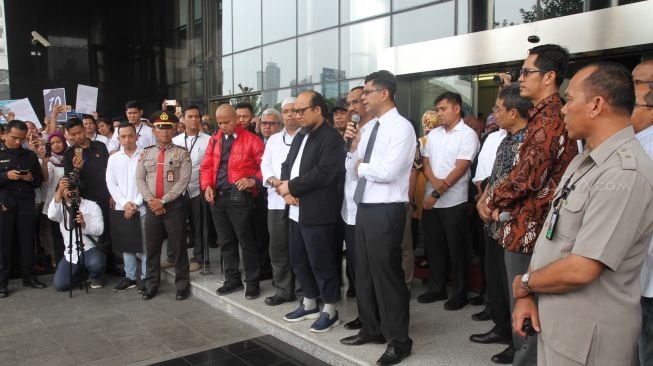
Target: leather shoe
{"type": "Point", "coordinates": [149, 293]}
{"type": "Point", "coordinates": [252, 292]}
{"type": "Point", "coordinates": [429, 297]}
{"type": "Point", "coordinates": [504, 357]}
{"type": "Point", "coordinates": [482, 316]}
{"type": "Point", "coordinates": [357, 340]}
{"type": "Point", "coordinates": [490, 337]}
{"type": "Point", "coordinates": [183, 294]}
{"type": "Point", "coordinates": [477, 300]}
{"type": "Point", "coordinates": [275, 300]}
{"type": "Point", "coordinates": [228, 288]}
{"type": "Point", "coordinates": [455, 303]}
{"type": "Point", "coordinates": [392, 356]}
{"type": "Point", "coordinates": [354, 324]}
{"type": "Point", "coordinates": [4, 292]}
{"type": "Point", "coordinates": [34, 284]}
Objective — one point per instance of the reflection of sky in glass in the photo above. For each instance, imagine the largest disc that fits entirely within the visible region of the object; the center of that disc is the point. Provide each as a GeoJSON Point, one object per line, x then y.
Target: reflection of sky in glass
{"type": "Point", "coordinates": [279, 64]}
{"type": "Point", "coordinates": [463, 16]}
{"type": "Point", "coordinates": [273, 99]}
{"type": "Point", "coordinates": [509, 10]}
{"type": "Point", "coordinates": [317, 52]}
{"type": "Point", "coordinates": [227, 76]}
{"type": "Point", "coordinates": [317, 14]}
{"type": "Point", "coordinates": [226, 26]}
{"type": "Point", "coordinates": [247, 24]}
{"type": "Point", "coordinates": [247, 67]}
{"type": "Point", "coordinates": [346, 86]}
{"type": "Point", "coordinates": [403, 4]}
{"type": "Point", "coordinates": [361, 44]}
{"type": "Point", "coordinates": [423, 24]}
{"type": "Point", "coordinates": [352, 10]}
{"type": "Point", "coordinates": [279, 19]}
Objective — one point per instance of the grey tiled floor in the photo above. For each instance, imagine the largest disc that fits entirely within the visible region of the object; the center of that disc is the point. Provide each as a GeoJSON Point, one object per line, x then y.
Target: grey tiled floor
{"type": "Point", "coordinates": [46, 327]}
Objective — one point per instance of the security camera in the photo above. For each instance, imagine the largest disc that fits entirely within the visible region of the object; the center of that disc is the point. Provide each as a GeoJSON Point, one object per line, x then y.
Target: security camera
{"type": "Point", "coordinates": [37, 38]}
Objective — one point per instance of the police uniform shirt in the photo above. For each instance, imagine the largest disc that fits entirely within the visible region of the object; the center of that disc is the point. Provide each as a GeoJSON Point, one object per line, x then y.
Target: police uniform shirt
{"type": "Point", "coordinates": [176, 160]}
{"type": "Point", "coordinates": [645, 138]}
{"type": "Point", "coordinates": [18, 159]}
{"type": "Point", "coordinates": [608, 217]}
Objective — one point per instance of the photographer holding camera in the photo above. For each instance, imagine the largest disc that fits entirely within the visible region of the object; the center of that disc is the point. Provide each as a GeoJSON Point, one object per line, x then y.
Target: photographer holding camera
{"type": "Point", "coordinates": [89, 219]}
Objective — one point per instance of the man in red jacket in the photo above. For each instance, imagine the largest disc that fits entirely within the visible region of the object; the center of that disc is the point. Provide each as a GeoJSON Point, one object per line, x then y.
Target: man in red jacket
{"type": "Point", "coordinates": [230, 176]}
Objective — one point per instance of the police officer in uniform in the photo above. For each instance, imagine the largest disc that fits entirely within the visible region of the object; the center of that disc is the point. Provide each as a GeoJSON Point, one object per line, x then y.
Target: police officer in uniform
{"type": "Point", "coordinates": [20, 174]}
{"type": "Point", "coordinates": [162, 176]}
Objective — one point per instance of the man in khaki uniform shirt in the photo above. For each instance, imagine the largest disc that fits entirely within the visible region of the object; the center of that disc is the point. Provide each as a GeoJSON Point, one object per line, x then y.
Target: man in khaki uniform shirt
{"type": "Point", "coordinates": [162, 176]}
{"type": "Point", "coordinates": [587, 259]}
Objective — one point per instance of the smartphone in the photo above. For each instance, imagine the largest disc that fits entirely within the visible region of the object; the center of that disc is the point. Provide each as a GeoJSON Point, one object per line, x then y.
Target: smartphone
{"type": "Point", "coordinates": [48, 149]}
{"type": "Point", "coordinates": [78, 153]}
{"type": "Point", "coordinates": [177, 110]}
{"type": "Point", "coordinates": [23, 172]}
{"type": "Point", "coordinates": [171, 102]}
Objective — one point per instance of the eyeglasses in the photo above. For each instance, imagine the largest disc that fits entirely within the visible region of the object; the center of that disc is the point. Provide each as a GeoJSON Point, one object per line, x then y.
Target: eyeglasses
{"type": "Point", "coordinates": [367, 92]}
{"type": "Point", "coordinates": [353, 102]}
{"type": "Point", "coordinates": [643, 105]}
{"type": "Point", "coordinates": [525, 71]}
{"type": "Point", "coordinates": [300, 111]}
{"type": "Point", "coordinates": [269, 123]}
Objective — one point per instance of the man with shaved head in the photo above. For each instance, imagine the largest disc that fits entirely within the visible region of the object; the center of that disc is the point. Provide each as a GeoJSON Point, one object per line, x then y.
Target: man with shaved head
{"type": "Point", "coordinates": [642, 119]}
{"type": "Point", "coordinates": [230, 177]}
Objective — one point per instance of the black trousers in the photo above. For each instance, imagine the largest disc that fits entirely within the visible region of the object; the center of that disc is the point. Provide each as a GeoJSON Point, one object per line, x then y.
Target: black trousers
{"type": "Point", "coordinates": [18, 226]}
{"type": "Point", "coordinates": [233, 224]}
{"type": "Point", "coordinates": [313, 260]}
{"type": "Point", "coordinates": [381, 291]}
{"type": "Point", "coordinates": [173, 224]}
{"type": "Point", "coordinates": [497, 294]}
{"type": "Point", "coordinates": [260, 220]}
{"type": "Point", "coordinates": [445, 236]}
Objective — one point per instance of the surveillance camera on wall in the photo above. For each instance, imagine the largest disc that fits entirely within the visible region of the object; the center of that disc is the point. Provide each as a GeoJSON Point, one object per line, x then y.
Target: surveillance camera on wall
{"type": "Point", "coordinates": [37, 38]}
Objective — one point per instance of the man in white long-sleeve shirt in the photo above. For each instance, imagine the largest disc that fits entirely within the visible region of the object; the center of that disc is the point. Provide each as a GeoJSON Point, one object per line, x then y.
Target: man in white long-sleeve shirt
{"type": "Point", "coordinates": [121, 182]}
{"type": "Point", "coordinates": [89, 217]}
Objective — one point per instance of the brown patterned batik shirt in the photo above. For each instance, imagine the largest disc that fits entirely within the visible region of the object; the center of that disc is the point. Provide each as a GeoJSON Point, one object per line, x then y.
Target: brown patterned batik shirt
{"type": "Point", "coordinates": [527, 190]}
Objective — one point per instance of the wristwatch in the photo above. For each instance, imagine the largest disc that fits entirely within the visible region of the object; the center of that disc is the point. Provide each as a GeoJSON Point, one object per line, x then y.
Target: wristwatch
{"type": "Point", "coordinates": [435, 194]}
{"type": "Point", "coordinates": [524, 281]}
{"type": "Point", "coordinates": [163, 202]}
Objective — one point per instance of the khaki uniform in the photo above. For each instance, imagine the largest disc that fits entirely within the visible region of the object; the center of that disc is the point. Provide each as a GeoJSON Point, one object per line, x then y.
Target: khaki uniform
{"type": "Point", "coordinates": [607, 216]}
{"type": "Point", "coordinates": [176, 175]}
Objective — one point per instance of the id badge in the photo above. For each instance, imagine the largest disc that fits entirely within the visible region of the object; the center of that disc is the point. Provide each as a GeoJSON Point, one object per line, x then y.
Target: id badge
{"type": "Point", "coordinates": [171, 175]}
{"type": "Point", "coordinates": [552, 225]}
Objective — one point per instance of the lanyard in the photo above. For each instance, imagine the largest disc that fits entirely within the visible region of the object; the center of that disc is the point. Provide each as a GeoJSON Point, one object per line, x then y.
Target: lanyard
{"type": "Point", "coordinates": [566, 190]}
{"type": "Point", "coordinates": [192, 144]}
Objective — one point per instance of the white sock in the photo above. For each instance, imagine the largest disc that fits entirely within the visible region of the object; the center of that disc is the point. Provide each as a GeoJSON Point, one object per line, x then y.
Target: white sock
{"type": "Point", "coordinates": [309, 304]}
{"type": "Point", "coordinates": [330, 309]}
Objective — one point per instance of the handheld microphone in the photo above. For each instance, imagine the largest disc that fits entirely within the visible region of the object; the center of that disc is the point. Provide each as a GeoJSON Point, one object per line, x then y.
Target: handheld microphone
{"type": "Point", "coordinates": [355, 118]}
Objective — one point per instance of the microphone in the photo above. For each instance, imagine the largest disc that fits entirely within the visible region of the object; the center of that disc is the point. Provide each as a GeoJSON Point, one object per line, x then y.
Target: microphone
{"type": "Point", "coordinates": [504, 216]}
{"type": "Point", "coordinates": [355, 118]}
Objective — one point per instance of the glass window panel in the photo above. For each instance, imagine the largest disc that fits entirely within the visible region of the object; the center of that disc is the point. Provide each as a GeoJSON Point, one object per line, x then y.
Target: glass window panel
{"type": "Point", "coordinates": [226, 26]}
{"type": "Point", "coordinates": [403, 4]}
{"type": "Point", "coordinates": [246, 24]}
{"type": "Point", "coordinates": [346, 86]}
{"type": "Point", "coordinates": [318, 57]}
{"type": "Point", "coordinates": [360, 45]}
{"type": "Point", "coordinates": [330, 92]}
{"type": "Point", "coordinates": [183, 13]}
{"type": "Point", "coordinates": [352, 10]}
{"type": "Point", "coordinates": [554, 9]}
{"type": "Point", "coordinates": [197, 9]}
{"type": "Point", "coordinates": [317, 14]}
{"type": "Point", "coordinates": [247, 71]}
{"type": "Point", "coordinates": [463, 17]}
{"type": "Point", "coordinates": [508, 12]}
{"type": "Point", "coordinates": [423, 24]}
{"type": "Point", "coordinates": [279, 19]}
{"type": "Point", "coordinates": [273, 98]}
{"type": "Point", "coordinates": [227, 76]}
{"type": "Point", "coordinates": [280, 64]}
{"type": "Point", "coordinates": [428, 88]}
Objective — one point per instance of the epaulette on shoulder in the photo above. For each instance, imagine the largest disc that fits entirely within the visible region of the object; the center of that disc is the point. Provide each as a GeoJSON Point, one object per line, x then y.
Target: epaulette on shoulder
{"type": "Point", "coordinates": [628, 161]}
{"type": "Point", "coordinates": [149, 147]}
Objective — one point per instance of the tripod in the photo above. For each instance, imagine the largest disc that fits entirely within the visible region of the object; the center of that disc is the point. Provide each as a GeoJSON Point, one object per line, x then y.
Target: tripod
{"type": "Point", "coordinates": [73, 227]}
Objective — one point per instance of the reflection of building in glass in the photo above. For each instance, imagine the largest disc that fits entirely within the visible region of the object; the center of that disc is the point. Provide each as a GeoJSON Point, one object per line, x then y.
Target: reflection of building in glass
{"type": "Point", "coordinates": [296, 89]}
{"type": "Point", "coordinates": [271, 79]}
{"type": "Point", "coordinates": [4, 62]}
{"type": "Point", "coordinates": [329, 79]}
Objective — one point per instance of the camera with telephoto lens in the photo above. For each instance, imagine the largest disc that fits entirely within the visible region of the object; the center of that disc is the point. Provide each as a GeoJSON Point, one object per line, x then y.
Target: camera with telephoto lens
{"type": "Point", "coordinates": [512, 75]}
{"type": "Point", "coordinates": [74, 184]}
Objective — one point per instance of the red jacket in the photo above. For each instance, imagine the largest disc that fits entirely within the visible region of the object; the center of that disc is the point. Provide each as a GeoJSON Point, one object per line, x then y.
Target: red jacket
{"type": "Point", "coordinates": [244, 159]}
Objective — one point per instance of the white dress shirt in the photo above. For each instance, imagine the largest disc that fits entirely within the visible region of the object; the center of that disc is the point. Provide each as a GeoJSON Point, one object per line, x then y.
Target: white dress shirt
{"type": "Point", "coordinates": [276, 151]}
{"type": "Point", "coordinates": [349, 207]}
{"type": "Point", "coordinates": [443, 149]}
{"type": "Point", "coordinates": [93, 228]}
{"type": "Point", "coordinates": [113, 144]}
{"type": "Point", "coordinates": [145, 137]}
{"type": "Point", "coordinates": [101, 139]}
{"type": "Point", "coordinates": [121, 179]}
{"type": "Point", "coordinates": [645, 138]}
{"type": "Point", "coordinates": [488, 154]}
{"type": "Point", "coordinates": [388, 172]}
{"type": "Point", "coordinates": [293, 211]}
{"type": "Point", "coordinates": [196, 145]}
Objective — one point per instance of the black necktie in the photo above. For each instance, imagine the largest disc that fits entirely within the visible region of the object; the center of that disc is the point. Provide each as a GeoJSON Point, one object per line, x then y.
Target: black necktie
{"type": "Point", "coordinates": [360, 186]}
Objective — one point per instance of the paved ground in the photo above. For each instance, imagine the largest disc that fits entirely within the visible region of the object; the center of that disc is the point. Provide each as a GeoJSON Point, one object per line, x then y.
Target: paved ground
{"type": "Point", "coordinates": [45, 327]}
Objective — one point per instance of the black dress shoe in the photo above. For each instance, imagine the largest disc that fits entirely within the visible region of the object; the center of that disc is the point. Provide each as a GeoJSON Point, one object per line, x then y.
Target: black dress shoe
{"type": "Point", "coordinates": [34, 284]}
{"type": "Point", "coordinates": [477, 300]}
{"type": "Point", "coordinates": [455, 303]}
{"type": "Point", "coordinates": [357, 340]}
{"type": "Point", "coordinates": [490, 337]}
{"type": "Point", "coordinates": [505, 357]}
{"type": "Point", "coordinates": [354, 324]}
{"type": "Point", "coordinates": [4, 292]}
{"type": "Point", "coordinates": [429, 297]}
{"type": "Point", "coordinates": [149, 293]}
{"type": "Point", "coordinates": [183, 294]}
{"type": "Point", "coordinates": [392, 356]}
{"type": "Point", "coordinates": [482, 316]}
{"type": "Point", "coordinates": [252, 292]}
{"type": "Point", "coordinates": [228, 288]}
{"type": "Point", "coordinates": [275, 300]}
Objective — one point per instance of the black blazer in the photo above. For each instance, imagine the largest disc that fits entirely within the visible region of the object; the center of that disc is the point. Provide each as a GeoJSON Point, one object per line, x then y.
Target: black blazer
{"type": "Point", "coordinates": [319, 184]}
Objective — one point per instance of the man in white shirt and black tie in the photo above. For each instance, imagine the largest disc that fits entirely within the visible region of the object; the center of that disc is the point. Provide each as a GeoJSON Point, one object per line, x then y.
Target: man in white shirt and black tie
{"type": "Point", "coordinates": [383, 167]}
